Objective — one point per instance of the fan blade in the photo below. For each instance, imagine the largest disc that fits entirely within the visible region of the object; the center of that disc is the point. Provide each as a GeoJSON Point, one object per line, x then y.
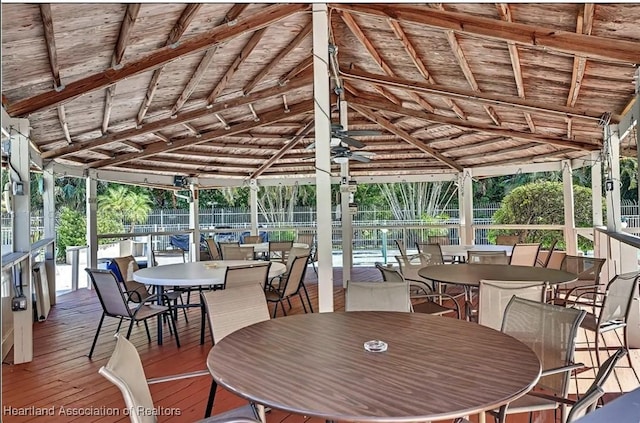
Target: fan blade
{"type": "Point", "coordinates": [310, 146]}
{"type": "Point", "coordinates": [360, 158]}
{"type": "Point", "coordinates": [362, 132]}
{"type": "Point", "coordinates": [352, 142]}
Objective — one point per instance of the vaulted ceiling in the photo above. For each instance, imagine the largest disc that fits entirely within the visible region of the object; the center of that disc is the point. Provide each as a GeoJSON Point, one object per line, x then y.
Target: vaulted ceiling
{"type": "Point", "coordinates": [227, 89]}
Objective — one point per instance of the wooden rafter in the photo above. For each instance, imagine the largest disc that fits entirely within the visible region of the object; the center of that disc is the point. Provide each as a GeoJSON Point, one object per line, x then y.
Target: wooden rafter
{"type": "Point", "coordinates": [179, 119]}
{"type": "Point", "coordinates": [366, 43]}
{"type": "Point", "coordinates": [593, 113]}
{"type": "Point", "coordinates": [288, 146]}
{"type": "Point", "coordinates": [47, 25]}
{"type": "Point", "coordinates": [239, 60]}
{"type": "Point", "coordinates": [298, 69]}
{"type": "Point", "coordinates": [161, 147]}
{"type": "Point", "coordinates": [528, 159]}
{"type": "Point", "coordinates": [206, 60]}
{"type": "Point", "coordinates": [177, 31]}
{"type": "Point", "coordinates": [133, 145]}
{"type": "Point", "coordinates": [505, 14]}
{"type": "Point", "coordinates": [276, 60]}
{"type": "Point", "coordinates": [369, 114]}
{"type": "Point", "coordinates": [508, 150]}
{"type": "Point", "coordinates": [381, 104]}
{"type": "Point", "coordinates": [417, 61]}
{"type": "Point", "coordinates": [130, 16]}
{"type": "Point", "coordinates": [155, 59]}
{"type": "Point", "coordinates": [468, 146]}
{"type": "Point", "coordinates": [589, 46]}
{"type": "Point", "coordinates": [584, 25]}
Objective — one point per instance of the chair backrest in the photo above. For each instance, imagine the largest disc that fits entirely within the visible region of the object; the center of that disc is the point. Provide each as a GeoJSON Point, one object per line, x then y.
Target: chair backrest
{"type": "Point", "coordinates": [279, 250]}
{"type": "Point", "coordinates": [389, 274]}
{"type": "Point", "coordinates": [587, 268]}
{"type": "Point", "coordinates": [296, 274]}
{"type": "Point", "coordinates": [432, 253]}
{"type": "Point", "coordinates": [618, 297]}
{"type": "Point", "coordinates": [377, 296]}
{"type": "Point", "coordinates": [555, 259]}
{"type": "Point", "coordinates": [507, 239]}
{"type": "Point", "coordinates": [495, 295]}
{"type": "Point", "coordinates": [586, 404]}
{"type": "Point", "coordinates": [124, 369]}
{"type": "Point", "coordinates": [235, 308]}
{"type": "Point", "coordinates": [223, 246]}
{"type": "Point", "coordinates": [550, 331]}
{"type": "Point", "coordinates": [250, 274]}
{"type": "Point", "coordinates": [487, 257]}
{"type": "Point", "coordinates": [252, 239]}
{"type": "Point", "coordinates": [439, 239]}
{"type": "Point", "coordinates": [214, 251]}
{"type": "Point", "coordinates": [401, 247]}
{"type": "Point", "coordinates": [545, 255]}
{"type": "Point", "coordinates": [295, 252]}
{"type": "Point", "coordinates": [109, 292]}
{"type": "Point", "coordinates": [524, 254]}
{"type": "Point", "coordinates": [238, 252]}
{"type": "Point", "coordinates": [305, 238]}
{"type": "Point", "coordinates": [409, 265]}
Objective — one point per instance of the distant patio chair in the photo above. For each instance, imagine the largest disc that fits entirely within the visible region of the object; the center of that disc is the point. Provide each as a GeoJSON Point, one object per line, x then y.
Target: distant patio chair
{"type": "Point", "coordinates": [401, 247]}
{"type": "Point", "coordinates": [214, 251]}
{"type": "Point", "coordinates": [524, 255]}
{"type": "Point", "coordinates": [306, 238]}
{"type": "Point", "coordinates": [507, 239]}
{"type": "Point", "coordinates": [487, 257]}
{"type": "Point", "coordinates": [544, 256]}
{"type": "Point", "coordinates": [293, 284]}
{"type": "Point", "coordinates": [588, 270]}
{"type": "Point", "coordinates": [279, 250]}
{"type": "Point", "coordinates": [238, 252]}
{"type": "Point", "coordinates": [249, 274]}
{"type": "Point", "coordinates": [493, 297]}
{"type": "Point", "coordinates": [377, 296]}
{"type": "Point", "coordinates": [224, 245]}
{"type": "Point", "coordinates": [252, 239]}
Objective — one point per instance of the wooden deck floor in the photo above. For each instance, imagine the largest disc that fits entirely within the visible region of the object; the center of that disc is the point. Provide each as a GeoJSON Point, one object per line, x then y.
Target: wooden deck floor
{"type": "Point", "coordinates": [62, 380]}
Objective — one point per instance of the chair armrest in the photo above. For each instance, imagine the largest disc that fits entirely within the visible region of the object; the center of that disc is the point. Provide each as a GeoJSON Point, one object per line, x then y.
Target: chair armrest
{"type": "Point", "coordinates": [420, 285]}
{"type": "Point", "coordinates": [595, 302]}
{"type": "Point", "coordinates": [131, 294]}
{"type": "Point", "coordinates": [552, 397]}
{"type": "Point", "coordinates": [581, 288]}
{"type": "Point", "coordinates": [556, 370]}
{"type": "Point", "coordinates": [179, 376]}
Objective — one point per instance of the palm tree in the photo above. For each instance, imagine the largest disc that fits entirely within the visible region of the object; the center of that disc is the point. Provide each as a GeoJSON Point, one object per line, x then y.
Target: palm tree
{"type": "Point", "coordinates": [131, 206]}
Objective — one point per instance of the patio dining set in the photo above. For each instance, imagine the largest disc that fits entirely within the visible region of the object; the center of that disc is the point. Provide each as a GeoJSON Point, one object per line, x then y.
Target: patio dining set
{"type": "Point", "coordinates": [513, 315]}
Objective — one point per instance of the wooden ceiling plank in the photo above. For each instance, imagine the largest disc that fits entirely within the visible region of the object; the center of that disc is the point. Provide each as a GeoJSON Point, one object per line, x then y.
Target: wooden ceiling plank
{"type": "Point", "coordinates": [276, 60]}
{"type": "Point", "coordinates": [381, 104]}
{"type": "Point", "coordinates": [177, 120]}
{"type": "Point", "coordinates": [584, 25]}
{"type": "Point", "coordinates": [405, 136]}
{"type": "Point", "coordinates": [528, 159]}
{"type": "Point", "coordinates": [130, 16]}
{"type": "Point", "coordinates": [495, 99]}
{"type": "Point", "coordinates": [299, 68]}
{"type": "Point", "coordinates": [160, 147]}
{"type": "Point", "coordinates": [505, 14]}
{"type": "Point", "coordinates": [239, 60]}
{"type": "Point", "coordinates": [508, 150]}
{"type": "Point", "coordinates": [288, 146]}
{"type": "Point", "coordinates": [417, 61]}
{"type": "Point", "coordinates": [468, 146]}
{"type": "Point", "coordinates": [373, 52]}
{"type": "Point", "coordinates": [607, 49]}
{"type": "Point", "coordinates": [155, 59]}
{"type": "Point", "coordinates": [133, 145]}
{"type": "Point", "coordinates": [47, 25]}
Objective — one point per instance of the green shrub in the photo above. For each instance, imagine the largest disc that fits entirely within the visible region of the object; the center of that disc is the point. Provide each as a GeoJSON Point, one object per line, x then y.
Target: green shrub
{"type": "Point", "coordinates": [72, 230]}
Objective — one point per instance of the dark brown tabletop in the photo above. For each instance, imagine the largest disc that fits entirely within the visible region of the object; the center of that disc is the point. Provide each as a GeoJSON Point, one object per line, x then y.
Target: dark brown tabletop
{"type": "Point", "coordinates": [471, 274]}
{"type": "Point", "coordinates": [315, 364]}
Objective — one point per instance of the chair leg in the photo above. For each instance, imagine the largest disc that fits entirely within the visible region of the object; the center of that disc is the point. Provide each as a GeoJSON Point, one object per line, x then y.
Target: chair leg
{"type": "Point", "coordinates": [302, 302]}
{"type": "Point", "coordinates": [130, 327]}
{"type": "Point", "coordinates": [212, 396]}
{"type": "Point", "coordinates": [284, 312]}
{"type": "Point", "coordinates": [275, 309]}
{"type": "Point", "coordinates": [202, 323]}
{"type": "Point", "coordinates": [289, 302]}
{"type": "Point", "coordinates": [95, 338]}
{"type": "Point", "coordinates": [184, 309]}
{"type": "Point", "coordinates": [306, 293]}
{"type": "Point", "coordinates": [175, 329]}
{"type": "Point", "coordinates": [146, 327]}
{"type": "Point", "coordinates": [119, 324]}
{"type": "Point", "coordinates": [598, 348]}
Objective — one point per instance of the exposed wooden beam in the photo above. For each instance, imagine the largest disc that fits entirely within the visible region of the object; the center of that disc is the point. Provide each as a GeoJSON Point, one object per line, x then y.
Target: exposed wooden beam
{"type": "Point", "coordinates": [593, 113]}
{"type": "Point", "coordinates": [417, 61]}
{"type": "Point", "coordinates": [130, 16]}
{"type": "Point", "coordinates": [179, 119]}
{"type": "Point", "coordinates": [276, 60]}
{"type": "Point", "coordinates": [528, 159]}
{"type": "Point", "coordinates": [238, 61]}
{"type": "Point", "coordinates": [47, 25]}
{"type": "Point", "coordinates": [468, 146]}
{"type": "Point", "coordinates": [485, 154]}
{"type": "Point", "coordinates": [161, 147]}
{"type": "Point", "coordinates": [584, 25]}
{"type": "Point", "coordinates": [505, 14]}
{"type": "Point", "coordinates": [192, 129]}
{"type": "Point", "coordinates": [299, 135]}
{"type": "Point", "coordinates": [381, 104]}
{"type": "Point", "coordinates": [177, 31]}
{"type": "Point", "coordinates": [300, 67]}
{"type": "Point", "coordinates": [133, 145]}
{"type": "Point", "coordinates": [607, 49]}
{"type": "Point", "coordinates": [369, 114]}
{"type": "Point", "coordinates": [155, 59]}
{"type": "Point", "coordinates": [360, 35]}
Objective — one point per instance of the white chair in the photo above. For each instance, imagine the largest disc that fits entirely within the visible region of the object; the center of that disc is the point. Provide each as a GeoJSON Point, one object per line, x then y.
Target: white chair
{"type": "Point", "coordinates": [377, 296]}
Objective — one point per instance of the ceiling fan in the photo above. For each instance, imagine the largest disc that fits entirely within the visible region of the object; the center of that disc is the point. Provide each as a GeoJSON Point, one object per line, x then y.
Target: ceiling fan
{"type": "Point", "coordinates": [342, 139]}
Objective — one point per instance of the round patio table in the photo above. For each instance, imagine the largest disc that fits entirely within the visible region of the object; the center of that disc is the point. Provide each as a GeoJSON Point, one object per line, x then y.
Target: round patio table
{"type": "Point", "coordinates": [435, 368]}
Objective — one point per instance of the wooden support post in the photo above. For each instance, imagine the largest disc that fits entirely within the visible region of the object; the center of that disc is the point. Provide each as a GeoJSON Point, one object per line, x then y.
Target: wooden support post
{"type": "Point", "coordinates": [92, 222]}
{"type": "Point", "coordinates": [49, 201]}
{"type": "Point", "coordinates": [194, 223]}
{"type": "Point", "coordinates": [465, 206]}
{"type": "Point", "coordinates": [253, 205]}
{"type": "Point", "coordinates": [570, 236]}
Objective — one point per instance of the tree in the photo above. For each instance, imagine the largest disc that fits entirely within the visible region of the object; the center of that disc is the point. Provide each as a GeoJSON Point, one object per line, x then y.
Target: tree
{"type": "Point", "coordinates": [542, 203]}
{"type": "Point", "coordinates": [277, 203]}
{"type": "Point", "coordinates": [418, 200]}
{"type": "Point", "coordinates": [127, 204]}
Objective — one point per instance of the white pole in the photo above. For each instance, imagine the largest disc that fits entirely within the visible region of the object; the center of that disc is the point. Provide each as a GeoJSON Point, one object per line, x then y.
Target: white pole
{"type": "Point", "coordinates": [194, 223]}
{"type": "Point", "coordinates": [596, 188]}
{"type": "Point", "coordinates": [322, 112]}
{"type": "Point", "coordinates": [253, 205]}
{"type": "Point", "coordinates": [92, 221]}
{"type": "Point", "coordinates": [465, 207]}
{"type": "Point", "coordinates": [49, 210]}
{"type": "Point", "coordinates": [345, 200]}
{"type": "Point", "coordinates": [570, 235]}
{"type": "Point", "coordinates": [612, 178]}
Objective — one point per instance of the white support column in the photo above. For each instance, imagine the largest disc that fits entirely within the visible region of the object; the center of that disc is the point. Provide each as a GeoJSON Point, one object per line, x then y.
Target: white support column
{"type": "Point", "coordinates": [194, 223]}
{"type": "Point", "coordinates": [345, 199]}
{"type": "Point", "coordinates": [322, 112]}
{"type": "Point", "coordinates": [253, 205]}
{"type": "Point", "coordinates": [570, 236]}
{"type": "Point", "coordinates": [49, 199]}
{"type": "Point", "coordinates": [596, 188]}
{"type": "Point", "coordinates": [612, 178]}
{"type": "Point", "coordinates": [19, 159]}
{"type": "Point", "coordinates": [465, 206]}
{"type": "Point", "coordinates": [92, 221]}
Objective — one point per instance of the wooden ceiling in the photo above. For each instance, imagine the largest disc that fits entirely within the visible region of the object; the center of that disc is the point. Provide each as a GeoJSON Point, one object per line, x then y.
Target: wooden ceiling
{"type": "Point", "coordinates": [227, 89]}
